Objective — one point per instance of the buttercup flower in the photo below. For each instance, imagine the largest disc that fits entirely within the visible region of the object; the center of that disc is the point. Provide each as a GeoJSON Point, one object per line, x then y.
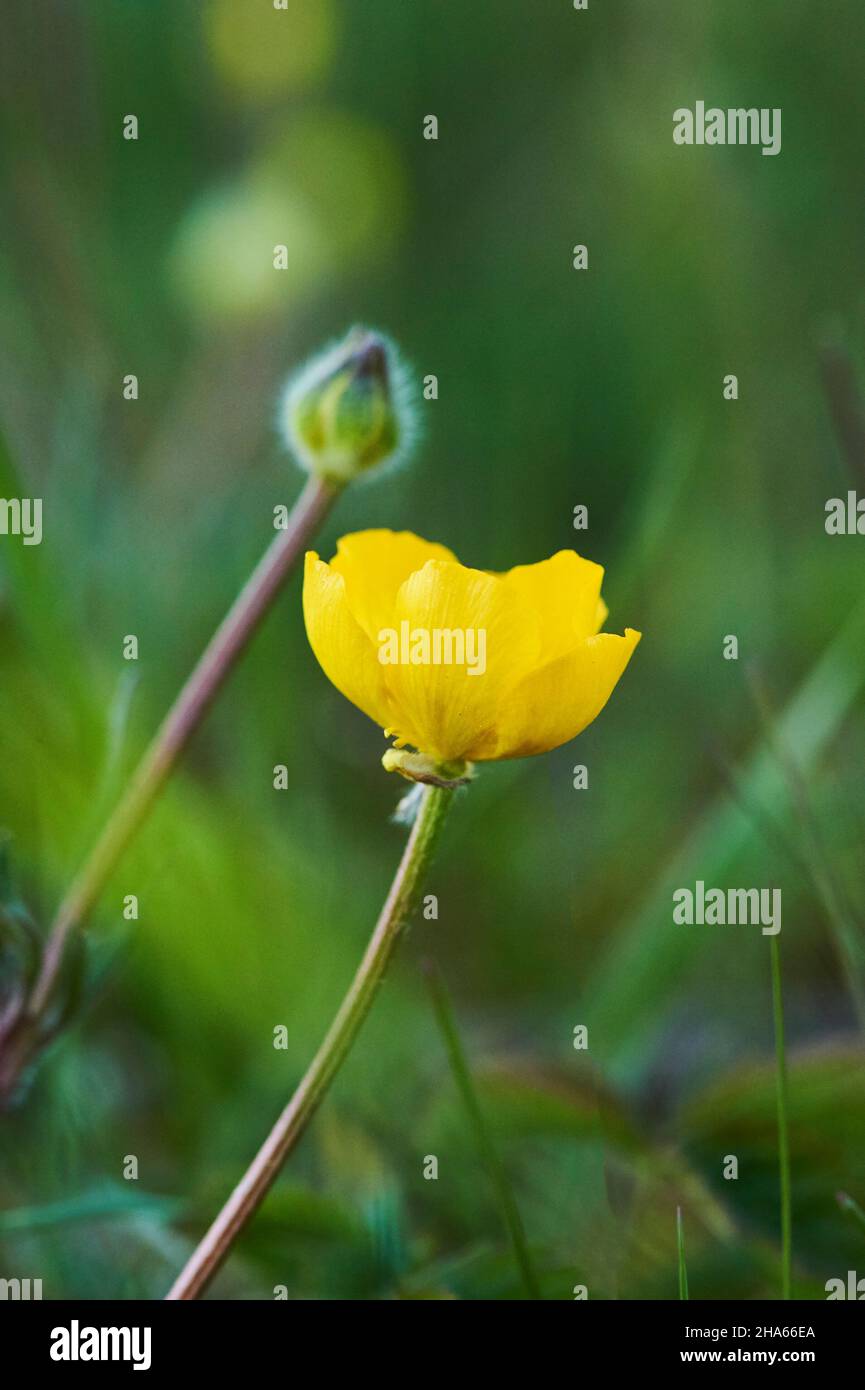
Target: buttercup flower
{"type": "Point", "coordinates": [462, 665]}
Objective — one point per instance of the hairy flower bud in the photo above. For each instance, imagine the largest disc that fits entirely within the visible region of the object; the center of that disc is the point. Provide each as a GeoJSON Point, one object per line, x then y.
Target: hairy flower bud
{"type": "Point", "coordinates": [346, 411]}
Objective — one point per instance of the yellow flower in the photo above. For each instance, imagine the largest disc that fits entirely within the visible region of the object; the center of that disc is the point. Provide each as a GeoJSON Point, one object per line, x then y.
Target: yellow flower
{"type": "Point", "coordinates": [463, 665]}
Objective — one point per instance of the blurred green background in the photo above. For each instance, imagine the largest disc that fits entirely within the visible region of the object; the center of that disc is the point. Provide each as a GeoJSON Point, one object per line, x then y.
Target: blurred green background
{"type": "Point", "coordinates": [556, 387]}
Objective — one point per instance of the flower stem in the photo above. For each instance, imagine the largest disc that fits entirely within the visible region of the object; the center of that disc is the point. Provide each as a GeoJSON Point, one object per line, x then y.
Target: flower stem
{"type": "Point", "coordinates": [783, 1132]}
{"type": "Point", "coordinates": [462, 1076]}
{"type": "Point", "coordinates": [259, 1177]}
{"type": "Point", "coordinates": [680, 1246]}
{"type": "Point", "coordinates": [184, 717]}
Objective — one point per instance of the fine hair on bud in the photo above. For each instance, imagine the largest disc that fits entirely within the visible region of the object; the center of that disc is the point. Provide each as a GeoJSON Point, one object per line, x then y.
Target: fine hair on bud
{"type": "Point", "coordinates": [351, 410]}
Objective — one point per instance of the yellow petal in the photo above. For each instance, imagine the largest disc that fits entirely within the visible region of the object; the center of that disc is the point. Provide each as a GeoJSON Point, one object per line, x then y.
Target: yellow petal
{"type": "Point", "coordinates": [565, 592]}
{"type": "Point", "coordinates": [443, 709]}
{"type": "Point", "coordinates": [374, 564]}
{"type": "Point", "coordinates": [345, 653]}
{"type": "Point", "coordinates": [554, 704]}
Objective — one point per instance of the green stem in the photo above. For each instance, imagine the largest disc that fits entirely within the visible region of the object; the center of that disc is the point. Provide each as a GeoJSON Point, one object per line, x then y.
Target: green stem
{"type": "Point", "coordinates": [460, 1069]}
{"type": "Point", "coordinates": [259, 1177]}
{"type": "Point", "coordinates": [680, 1242]}
{"type": "Point", "coordinates": [22, 1037]}
{"type": "Point", "coordinates": [783, 1132]}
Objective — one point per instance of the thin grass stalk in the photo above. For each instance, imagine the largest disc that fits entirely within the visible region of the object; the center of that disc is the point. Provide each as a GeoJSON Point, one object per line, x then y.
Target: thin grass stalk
{"type": "Point", "coordinates": [783, 1126]}
{"type": "Point", "coordinates": [461, 1073]}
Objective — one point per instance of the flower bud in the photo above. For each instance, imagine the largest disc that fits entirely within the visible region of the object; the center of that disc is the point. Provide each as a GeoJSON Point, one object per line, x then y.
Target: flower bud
{"type": "Point", "coordinates": [346, 411]}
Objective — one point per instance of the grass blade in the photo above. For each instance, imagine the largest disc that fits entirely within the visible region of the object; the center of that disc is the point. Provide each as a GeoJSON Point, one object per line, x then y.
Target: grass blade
{"type": "Point", "coordinates": [683, 1268]}
{"type": "Point", "coordinates": [622, 1001]}
{"type": "Point", "coordinates": [849, 1204]}
{"type": "Point", "coordinates": [783, 1132]}
{"type": "Point", "coordinates": [444, 1013]}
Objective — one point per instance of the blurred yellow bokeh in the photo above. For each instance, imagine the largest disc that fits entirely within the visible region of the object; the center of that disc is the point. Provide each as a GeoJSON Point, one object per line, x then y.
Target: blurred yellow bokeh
{"type": "Point", "coordinates": [348, 169]}
{"type": "Point", "coordinates": [222, 260]}
{"type": "Point", "coordinates": [329, 188]}
{"type": "Point", "coordinates": [262, 52]}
